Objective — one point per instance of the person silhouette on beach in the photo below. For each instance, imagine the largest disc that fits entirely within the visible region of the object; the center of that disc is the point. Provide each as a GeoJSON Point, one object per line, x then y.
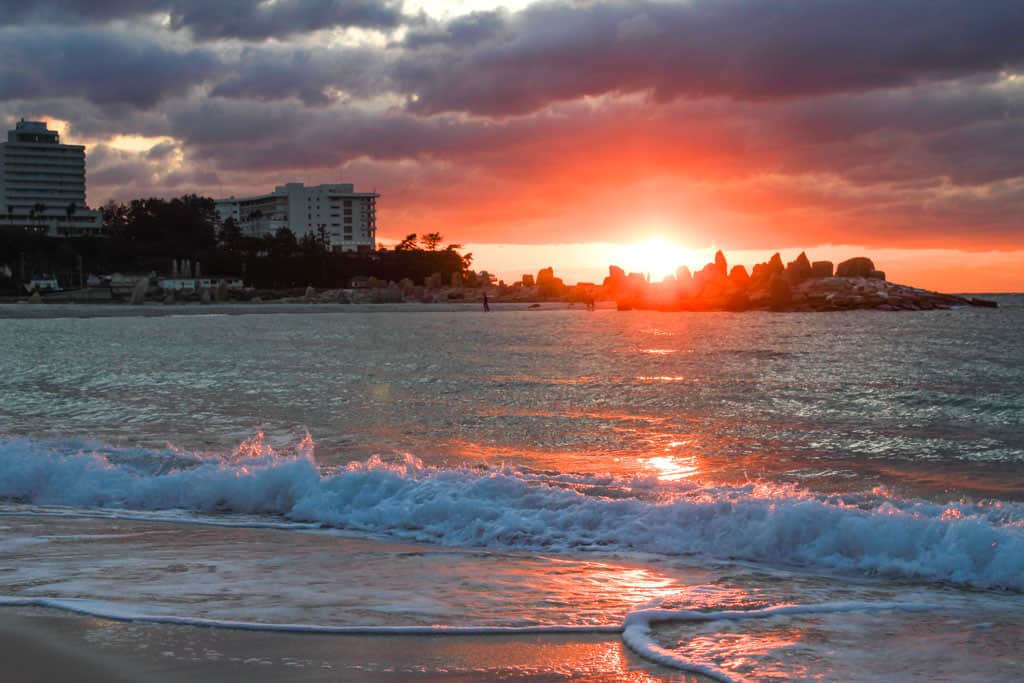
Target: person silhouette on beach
{"type": "Point", "coordinates": [487, 306]}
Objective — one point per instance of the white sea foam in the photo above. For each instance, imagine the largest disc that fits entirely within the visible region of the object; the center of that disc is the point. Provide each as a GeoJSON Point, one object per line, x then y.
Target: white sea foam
{"type": "Point", "coordinates": [132, 613]}
{"type": "Point", "coordinates": [979, 545]}
{"type": "Point", "coordinates": [637, 633]}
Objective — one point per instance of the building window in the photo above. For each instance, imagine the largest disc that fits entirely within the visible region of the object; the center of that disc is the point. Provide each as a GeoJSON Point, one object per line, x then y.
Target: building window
{"type": "Point", "coordinates": [348, 203]}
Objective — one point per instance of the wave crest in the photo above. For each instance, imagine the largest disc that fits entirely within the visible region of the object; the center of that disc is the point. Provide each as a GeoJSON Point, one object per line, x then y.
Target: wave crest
{"type": "Point", "coordinates": [980, 545]}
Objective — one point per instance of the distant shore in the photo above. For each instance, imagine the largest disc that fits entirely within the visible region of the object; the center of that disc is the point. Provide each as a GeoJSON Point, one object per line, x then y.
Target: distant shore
{"type": "Point", "coordinates": [15, 309]}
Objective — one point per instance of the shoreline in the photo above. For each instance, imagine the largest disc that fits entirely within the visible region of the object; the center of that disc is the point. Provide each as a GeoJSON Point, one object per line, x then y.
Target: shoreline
{"type": "Point", "coordinates": [22, 309]}
{"type": "Point", "coordinates": [39, 643]}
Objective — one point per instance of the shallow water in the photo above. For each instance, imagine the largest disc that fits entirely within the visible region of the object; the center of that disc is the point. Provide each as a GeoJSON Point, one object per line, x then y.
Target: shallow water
{"type": "Point", "coordinates": [535, 468]}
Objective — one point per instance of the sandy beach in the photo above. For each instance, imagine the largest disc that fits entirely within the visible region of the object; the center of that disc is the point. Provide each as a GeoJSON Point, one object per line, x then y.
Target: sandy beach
{"type": "Point", "coordinates": [39, 644]}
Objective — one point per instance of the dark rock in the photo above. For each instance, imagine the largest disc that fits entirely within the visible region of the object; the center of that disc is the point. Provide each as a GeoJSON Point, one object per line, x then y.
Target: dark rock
{"type": "Point", "coordinates": [779, 292]}
{"type": "Point", "coordinates": [775, 263]}
{"type": "Point", "coordinates": [138, 295]}
{"type": "Point", "coordinates": [984, 303]}
{"type": "Point", "coordinates": [220, 294]}
{"type": "Point", "coordinates": [877, 275]}
{"type": "Point", "coordinates": [720, 264]}
{"type": "Point", "coordinates": [821, 269]}
{"type": "Point", "coordinates": [859, 266]}
{"type": "Point", "coordinates": [799, 270]}
{"type": "Point", "coordinates": [738, 277]}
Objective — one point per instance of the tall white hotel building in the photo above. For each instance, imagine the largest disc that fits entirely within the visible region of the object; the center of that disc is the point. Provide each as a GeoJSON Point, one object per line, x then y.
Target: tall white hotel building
{"type": "Point", "coordinates": [42, 183]}
{"type": "Point", "coordinates": [348, 219]}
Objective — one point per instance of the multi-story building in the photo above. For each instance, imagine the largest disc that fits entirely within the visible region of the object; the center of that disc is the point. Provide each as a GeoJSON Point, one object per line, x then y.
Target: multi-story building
{"type": "Point", "coordinates": [42, 183]}
{"type": "Point", "coordinates": [345, 218]}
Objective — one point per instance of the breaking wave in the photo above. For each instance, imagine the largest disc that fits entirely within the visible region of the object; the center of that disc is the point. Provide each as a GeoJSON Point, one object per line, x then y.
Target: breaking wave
{"type": "Point", "coordinates": [974, 544]}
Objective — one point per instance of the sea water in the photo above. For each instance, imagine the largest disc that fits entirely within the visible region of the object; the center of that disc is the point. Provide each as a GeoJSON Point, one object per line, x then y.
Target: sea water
{"type": "Point", "coordinates": [752, 496]}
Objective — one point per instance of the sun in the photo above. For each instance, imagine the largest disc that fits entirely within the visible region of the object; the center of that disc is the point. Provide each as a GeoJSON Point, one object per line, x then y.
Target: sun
{"type": "Point", "coordinates": [658, 257]}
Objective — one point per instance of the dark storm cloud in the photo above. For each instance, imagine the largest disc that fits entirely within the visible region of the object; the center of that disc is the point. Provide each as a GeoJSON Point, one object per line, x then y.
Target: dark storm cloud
{"type": "Point", "coordinates": [104, 67]}
{"type": "Point", "coordinates": [307, 74]}
{"type": "Point", "coordinates": [211, 19]}
{"type": "Point", "coordinates": [743, 49]}
{"type": "Point", "coordinates": [260, 20]}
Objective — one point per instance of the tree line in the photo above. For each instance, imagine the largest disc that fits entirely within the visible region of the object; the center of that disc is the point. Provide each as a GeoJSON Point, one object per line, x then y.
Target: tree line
{"type": "Point", "coordinates": [146, 235]}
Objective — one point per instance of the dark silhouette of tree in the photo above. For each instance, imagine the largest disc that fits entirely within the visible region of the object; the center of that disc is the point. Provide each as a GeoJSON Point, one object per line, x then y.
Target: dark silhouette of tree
{"type": "Point", "coordinates": [230, 235]}
{"type": "Point", "coordinates": [283, 243]}
{"type": "Point", "coordinates": [36, 211]}
{"type": "Point", "coordinates": [114, 215]}
{"type": "Point", "coordinates": [431, 240]}
{"type": "Point", "coordinates": [408, 244]}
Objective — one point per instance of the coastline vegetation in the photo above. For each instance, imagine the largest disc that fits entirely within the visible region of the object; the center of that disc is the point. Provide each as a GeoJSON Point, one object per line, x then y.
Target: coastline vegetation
{"type": "Point", "coordinates": [146, 235]}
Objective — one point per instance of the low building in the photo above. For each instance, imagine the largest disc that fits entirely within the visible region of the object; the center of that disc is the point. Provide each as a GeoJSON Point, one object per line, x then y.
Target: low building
{"type": "Point", "coordinates": [42, 183]}
{"type": "Point", "coordinates": [344, 218]}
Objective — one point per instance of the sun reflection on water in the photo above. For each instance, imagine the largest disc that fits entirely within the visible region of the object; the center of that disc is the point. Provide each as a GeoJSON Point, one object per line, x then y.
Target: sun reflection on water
{"type": "Point", "coordinates": [671, 467]}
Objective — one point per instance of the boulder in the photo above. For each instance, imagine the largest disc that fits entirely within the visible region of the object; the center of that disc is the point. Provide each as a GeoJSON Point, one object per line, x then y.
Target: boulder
{"type": "Point", "coordinates": [799, 270]}
{"type": "Point", "coordinates": [720, 264]}
{"type": "Point", "coordinates": [169, 298]}
{"type": "Point", "coordinates": [36, 298]}
{"type": "Point", "coordinates": [738, 277]}
{"type": "Point", "coordinates": [821, 269]}
{"type": "Point", "coordinates": [775, 264]}
{"type": "Point", "coordinates": [138, 295]}
{"type": "Point", "coordinates": [204, 296]}
{"type": "Point", "coordinates": [779, 292]}
{"type": "Point", "coordinates": [859, 266]}
{"type": "Point", "coordinates": [310, 293]}
{"type": "Point", "coordinates": [220, 294]}
{"type": "Point", "coordinates": [877, 275]}
{"type": "Point", "coordinates": [528, 279]}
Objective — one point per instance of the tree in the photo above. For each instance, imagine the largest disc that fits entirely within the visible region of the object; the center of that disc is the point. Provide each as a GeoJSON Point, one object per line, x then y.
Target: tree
{"type": "Point", "coordinates": [115, 216]}
{"type": "Point", "coordinates": [230, 233]}
{"type": "Point", "coordinates": [431, 240]}
{"type": "Point", "coordinates": [36, 211]}
{"type": "Point", "coordinates": [283, 243]}
{"type": "Point", "coordinates": [408, 244]}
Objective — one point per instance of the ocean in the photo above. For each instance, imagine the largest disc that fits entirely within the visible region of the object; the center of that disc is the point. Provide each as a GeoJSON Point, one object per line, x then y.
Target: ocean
{"type": "Point", "coordinates": [747, 497]}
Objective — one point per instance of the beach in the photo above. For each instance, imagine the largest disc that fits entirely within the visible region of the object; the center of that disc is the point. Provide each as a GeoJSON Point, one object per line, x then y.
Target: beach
{"type": "Point", "coordinates": [39, 645]}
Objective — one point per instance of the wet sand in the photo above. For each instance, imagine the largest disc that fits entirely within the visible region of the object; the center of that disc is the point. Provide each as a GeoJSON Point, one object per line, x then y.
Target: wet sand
{"type": "Point", "coordinates": [39, 644]}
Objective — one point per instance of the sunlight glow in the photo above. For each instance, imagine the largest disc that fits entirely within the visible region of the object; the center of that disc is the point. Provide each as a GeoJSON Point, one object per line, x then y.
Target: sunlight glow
{"type": "Point", "coordinates": [658, 257]}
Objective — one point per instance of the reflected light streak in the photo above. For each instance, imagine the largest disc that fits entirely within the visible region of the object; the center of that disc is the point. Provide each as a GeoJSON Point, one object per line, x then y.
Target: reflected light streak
{"type": "Point", "coordinates": [672, 468]}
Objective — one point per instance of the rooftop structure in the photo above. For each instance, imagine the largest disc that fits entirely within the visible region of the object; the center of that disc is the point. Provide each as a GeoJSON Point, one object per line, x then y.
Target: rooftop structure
{"type": "Point", "coordinates": [346, 219]}
{"type": "Point", "coordinates": [42, 183]}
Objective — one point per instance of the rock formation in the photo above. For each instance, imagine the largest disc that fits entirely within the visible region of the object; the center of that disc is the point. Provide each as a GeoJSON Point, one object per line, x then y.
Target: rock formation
{"type": "Point", "coordinates": [859, 266]}
{"type": "Point", "coordinates": [798, 286]}
{"type": "Point", "coordinates": [138, 295]}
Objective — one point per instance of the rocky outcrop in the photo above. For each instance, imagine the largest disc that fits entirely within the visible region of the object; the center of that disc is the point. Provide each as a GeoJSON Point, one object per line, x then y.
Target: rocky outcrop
{"type": "Point", "coordinates": [821, 269]}
{"type": "Point", "coordinates": [859, 266]}
{"type": "Point", "coordinates": [138, 295]}
{"type": "Point", "coordinates": [798, 286]}
{"type": "Point", "coordinates": [799, 270]}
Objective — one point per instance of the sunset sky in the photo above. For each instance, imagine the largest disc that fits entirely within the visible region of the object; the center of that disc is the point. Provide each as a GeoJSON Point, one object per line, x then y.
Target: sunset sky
{"type": "Point", "coordinates": [565, 133]}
